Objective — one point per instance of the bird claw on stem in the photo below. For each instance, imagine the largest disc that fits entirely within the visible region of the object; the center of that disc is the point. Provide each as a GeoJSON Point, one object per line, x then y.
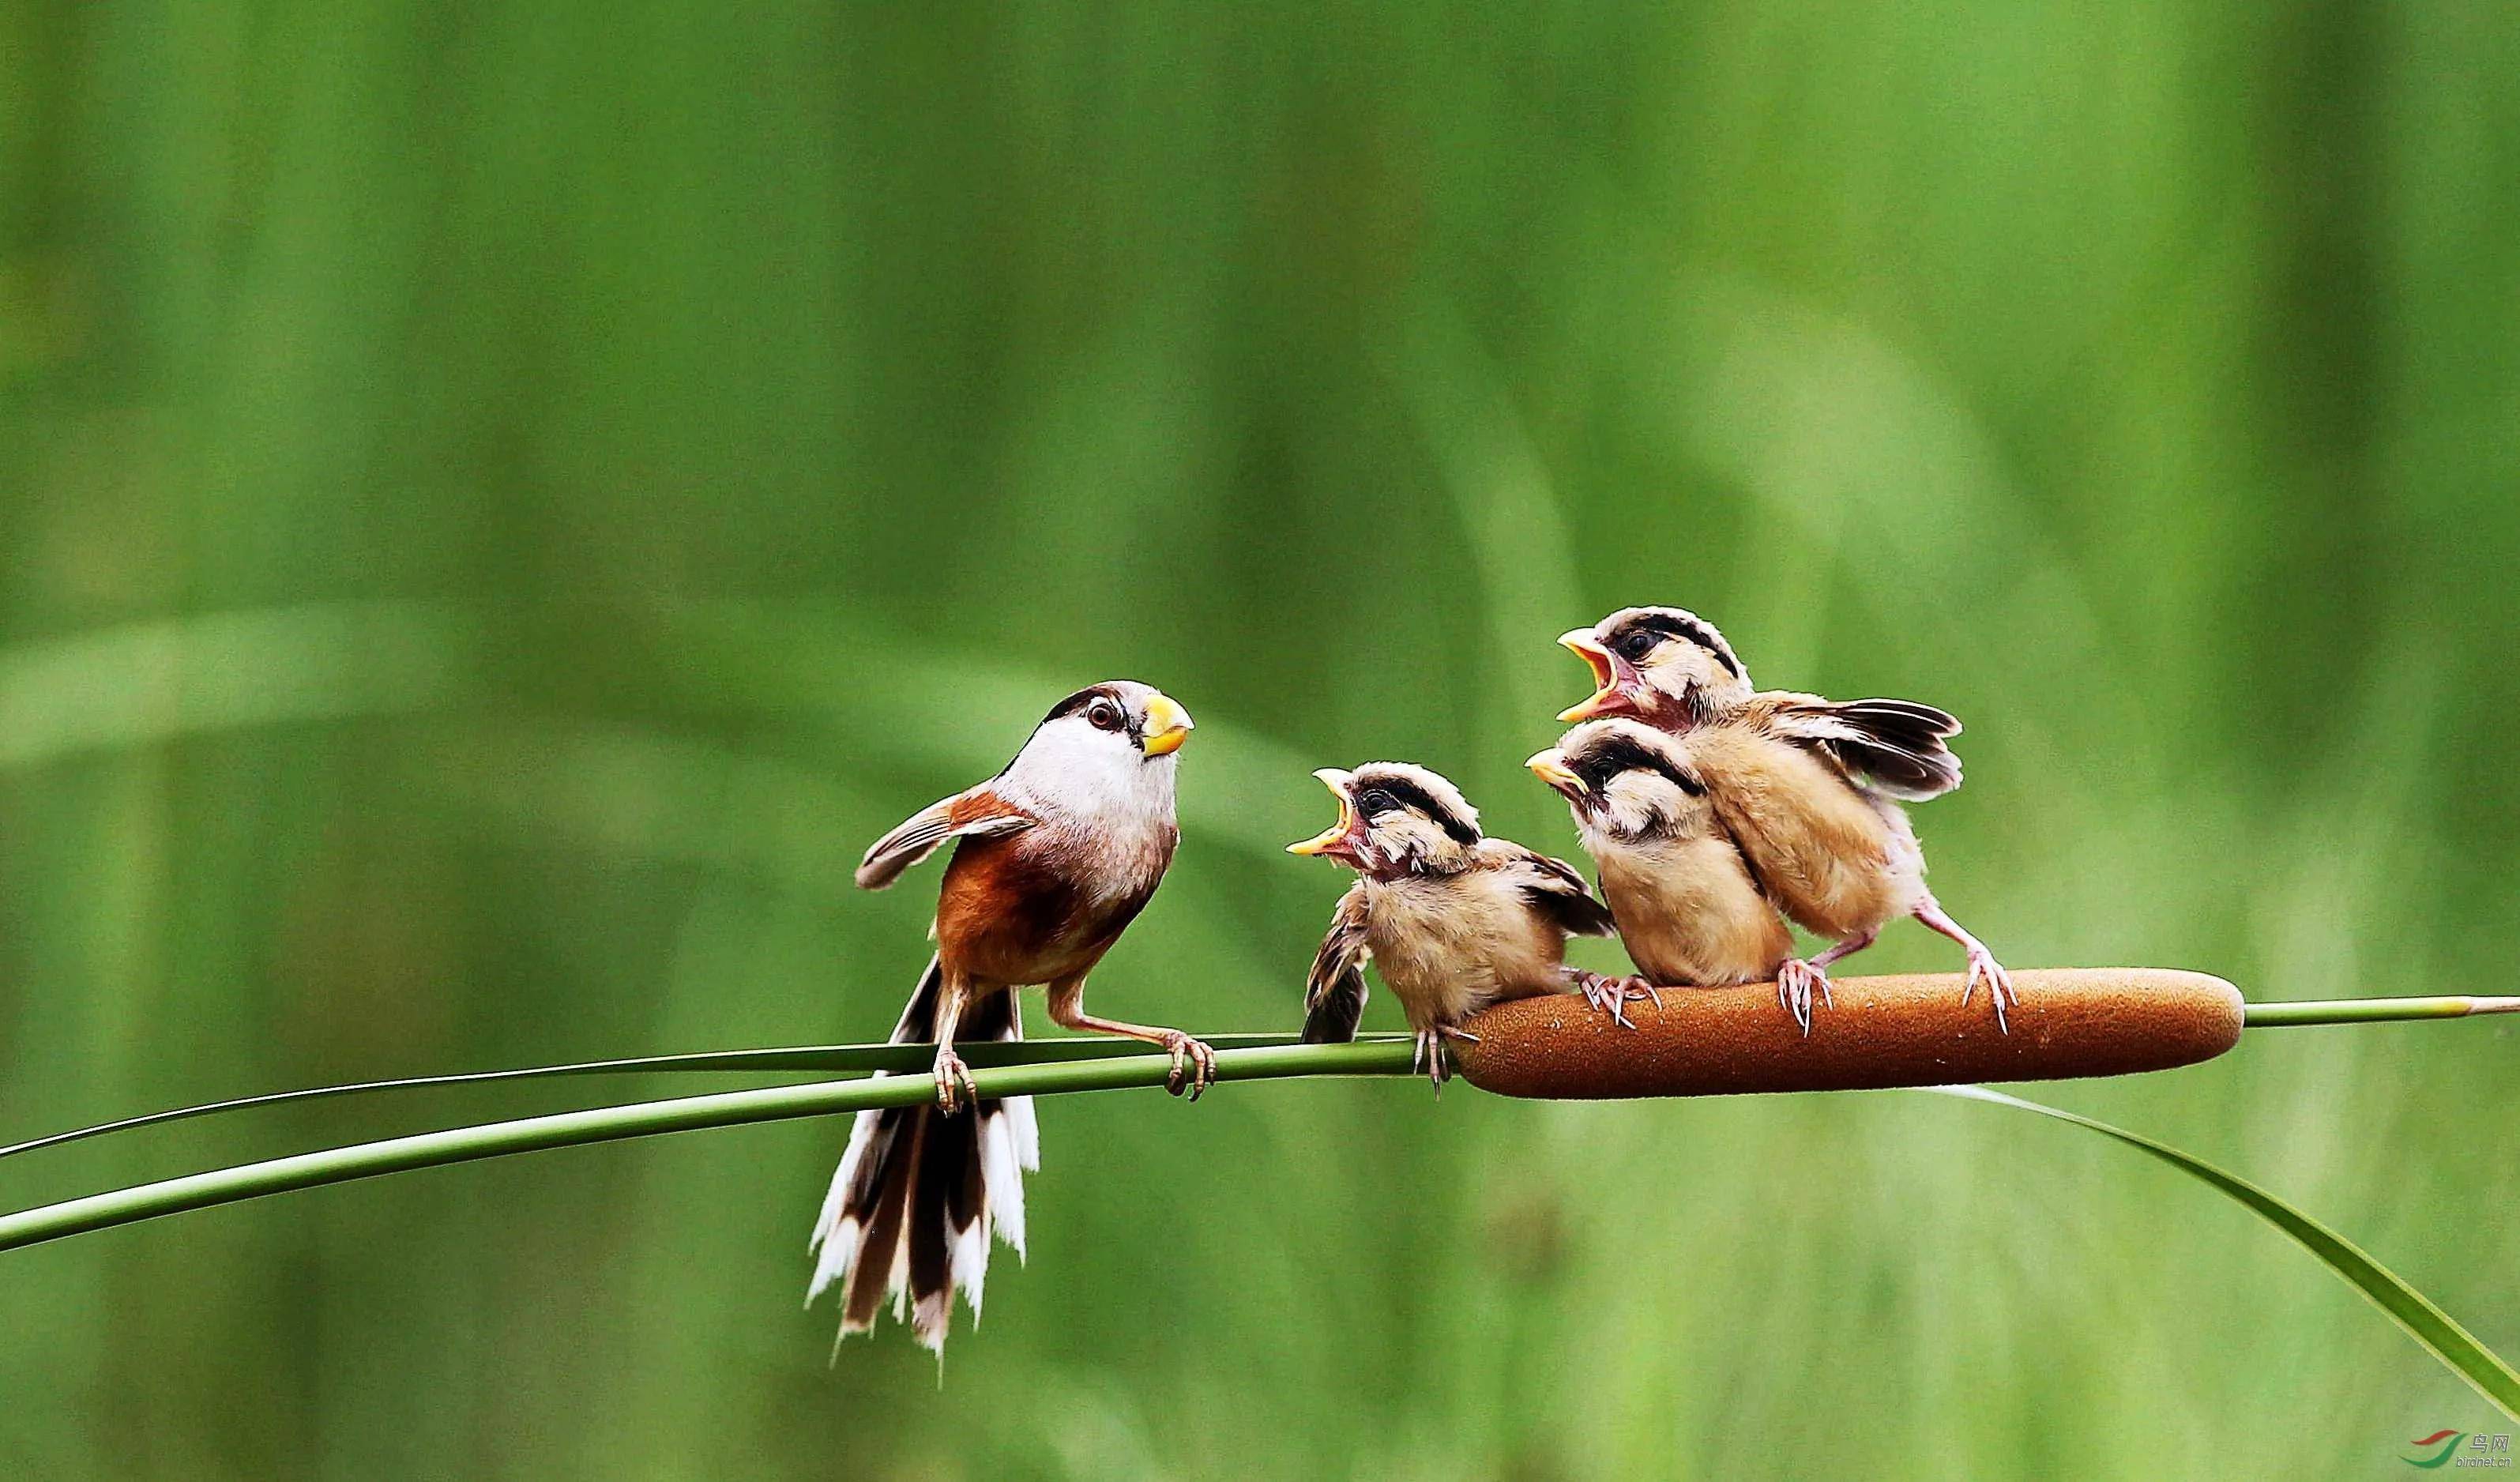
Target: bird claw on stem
{"type": "Point", "coordinates": [1193, 1064]}
{"type": "Point", "coordinates": [953, 1084]}
{"type": "Point", "coordinates": [1426, 1054]}
{"type": "Point", "coordinates": [1796, 981]}
{"type": "Point", "coordinates": [1609, 994]}
{"type": "Point", "coordinates": [1983, 968]}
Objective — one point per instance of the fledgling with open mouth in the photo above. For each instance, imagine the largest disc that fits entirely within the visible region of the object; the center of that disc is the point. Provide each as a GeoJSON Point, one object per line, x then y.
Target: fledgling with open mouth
{"type": "Point", "coordinates": [1689, 911]}
{"type": "Point", "coordinates": [1053, 858]}
{"type": "Point", "coordinates": [1808, 788]}
{"type": "Point", "coordinates": [1454, 921]}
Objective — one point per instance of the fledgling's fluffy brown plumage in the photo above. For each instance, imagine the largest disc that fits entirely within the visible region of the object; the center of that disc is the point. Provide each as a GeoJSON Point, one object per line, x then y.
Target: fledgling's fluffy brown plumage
{"type": "Point", "coordinates": [1808, 789]}
{"type": "Point", "coordinates": [1453, 921]}
{"type": "Point", "coordinates": [1053, 857]}
{"type": "Point", "coordinates": [1839, 859]}
{"type": "Point", "coordinates": [1687, 909]}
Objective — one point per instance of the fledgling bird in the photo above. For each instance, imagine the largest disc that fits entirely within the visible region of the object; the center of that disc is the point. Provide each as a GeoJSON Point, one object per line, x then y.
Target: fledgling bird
{"type": "Point", "coordinates": [1454, 921]}
{"type": "Point", "coordinates": [1808, 787]}
{"type": "Point", "coordinates": [1055, 855]}
{"type": "Point", "coordinates": [1687, 910]}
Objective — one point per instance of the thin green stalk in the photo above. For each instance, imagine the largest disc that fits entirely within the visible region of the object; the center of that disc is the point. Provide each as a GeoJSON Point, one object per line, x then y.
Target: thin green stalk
{"type": "Point", "coordinates": [605, 1124]}
{"type": "Point", "coordinates": [842, 1058]}
{"type": "Point", "coordinates": [861, 1058]}
{"type": "Point", "coordinates": [2373, 1011]}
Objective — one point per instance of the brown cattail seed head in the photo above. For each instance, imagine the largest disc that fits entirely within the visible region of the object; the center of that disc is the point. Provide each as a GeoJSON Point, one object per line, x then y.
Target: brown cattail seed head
{"type": "Point", "coordinates": [1909, 1030]}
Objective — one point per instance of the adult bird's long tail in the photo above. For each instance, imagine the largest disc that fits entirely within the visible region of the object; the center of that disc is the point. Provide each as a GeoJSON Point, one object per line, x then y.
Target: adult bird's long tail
{"type": "Point", "coordinates": [918, 1192]}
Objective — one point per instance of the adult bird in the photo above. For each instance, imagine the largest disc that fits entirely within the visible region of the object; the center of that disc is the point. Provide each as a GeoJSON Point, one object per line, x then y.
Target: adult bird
{"type": "Point", "coordinates": [1053, 858]}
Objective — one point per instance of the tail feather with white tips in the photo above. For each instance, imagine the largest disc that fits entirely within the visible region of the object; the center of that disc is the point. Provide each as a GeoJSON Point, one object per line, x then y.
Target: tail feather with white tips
{"type": "Point", "coordinates": [918, 1192]}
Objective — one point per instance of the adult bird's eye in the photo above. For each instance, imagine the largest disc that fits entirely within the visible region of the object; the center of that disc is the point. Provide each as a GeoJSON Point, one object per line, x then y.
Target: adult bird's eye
{"type": "Point", "coordinates": [1636, 646]}
{"type": "Point", "coordinates": [1104, 715]}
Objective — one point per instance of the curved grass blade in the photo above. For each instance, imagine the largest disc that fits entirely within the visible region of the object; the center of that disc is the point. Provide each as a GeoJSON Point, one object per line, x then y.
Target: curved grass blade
{"type": "Point", "coordinates": [843, 1059]}
{"type": "Point", "coordinates": [606, 1124]}
{"type": "Point", "coordinates": [2409, 1308]}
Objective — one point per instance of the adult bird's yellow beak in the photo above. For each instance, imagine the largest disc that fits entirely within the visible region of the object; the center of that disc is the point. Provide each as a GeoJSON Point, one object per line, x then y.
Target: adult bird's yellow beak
{"type": "Point", "coordinates": [1586, 647]}
{"type": "Point", "coordinates": [1549, 767]}
{"type": "Point", "coordinates": [1168, 725]}
{"type": "Point", "coordinates": [1331, 838]}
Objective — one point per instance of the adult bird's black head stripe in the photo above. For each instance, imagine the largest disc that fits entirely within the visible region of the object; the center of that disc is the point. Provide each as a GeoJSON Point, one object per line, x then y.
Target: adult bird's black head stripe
{"type": "Point", "coordinates": [1378, 792]}
{"type": "Point", "coordinates": [1614, 752]}
{"type": "Point", "coordinates": [1671, 622]}
{"type": "Point", "coordinates": [1079, 700]}
{"type": "Point", "coordinates": [1077, 703]}
{"type": "Point", "coordinates": [1122, 706]}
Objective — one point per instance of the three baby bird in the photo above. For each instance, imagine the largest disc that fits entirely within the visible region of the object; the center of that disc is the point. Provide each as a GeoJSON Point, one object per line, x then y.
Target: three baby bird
{"type": "Point", "coordinates": [1710, 808]}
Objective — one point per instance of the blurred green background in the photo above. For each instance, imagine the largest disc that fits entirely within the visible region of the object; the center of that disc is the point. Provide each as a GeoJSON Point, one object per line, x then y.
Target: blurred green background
{"type": "Point", "coordinates": [500, 503]}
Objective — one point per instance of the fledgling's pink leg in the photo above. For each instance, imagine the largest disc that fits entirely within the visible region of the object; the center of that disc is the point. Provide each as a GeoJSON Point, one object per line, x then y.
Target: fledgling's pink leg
{"type": "Point", "coordinates": [1798, 978]}
{"type": "Point", "coordinates": [1430, 1049]}
{"type": "Point", "coordinates": [1429, 1054]}
{"type": "Point", "coordinates": [1607, 994]}
{"type": "Point", "coordinates": [1982, 965]}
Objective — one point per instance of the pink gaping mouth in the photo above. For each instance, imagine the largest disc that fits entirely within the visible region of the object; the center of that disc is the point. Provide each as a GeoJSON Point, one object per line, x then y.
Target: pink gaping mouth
{"type": "Point", "coordinates": [1345, 841]}
{"type": "Point", "coordinates": [1614, 679]}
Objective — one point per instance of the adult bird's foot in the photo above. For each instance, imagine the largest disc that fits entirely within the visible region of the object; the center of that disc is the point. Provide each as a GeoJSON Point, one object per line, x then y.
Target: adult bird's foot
{"type": "Point", "coordinates": [954, 1085]}
{"type": "Point", "coordinates": [1796, 981]}
{"type": "Point", "coordinates": [1984, 969]}
{"type": "Point", "coordinates": [1609, 995]}
{"type": "Point", "coordinates": [1193, 1064]}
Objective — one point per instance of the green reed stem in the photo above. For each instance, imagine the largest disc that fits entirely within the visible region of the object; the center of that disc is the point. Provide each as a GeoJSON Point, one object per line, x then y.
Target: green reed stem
{"type": "Point", "coordinates": [864, 1058]}
{"type": "Point", "coordinates": [605, 1124]}
{"type": "Point", "coordinates": [2275, 1015]}
{"type": "Point", "coordinates": [857, 1059]}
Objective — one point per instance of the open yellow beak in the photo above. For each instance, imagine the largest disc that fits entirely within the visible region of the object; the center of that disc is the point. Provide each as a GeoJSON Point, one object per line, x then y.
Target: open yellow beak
{"type": "Point", "coordinates": [1586, 647]}
{"type": "Point", "coordinates": [1330, 837]}
{"type": "Point", "coordinates": [1549, 767]}
{"type": "Point", "coordinates": [1168, 725]}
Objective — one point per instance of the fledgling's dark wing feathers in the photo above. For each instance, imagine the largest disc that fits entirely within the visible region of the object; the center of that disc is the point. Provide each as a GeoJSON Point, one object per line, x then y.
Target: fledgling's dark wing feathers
{"type": "Point", "coordinates": [1554, 887]}
{"type": "Point", "coordinates": [1335, 990]}
{"type": "Point", "coordinates": [977, 813]}
{"type": "Point", "coordinates": [1895, 748]}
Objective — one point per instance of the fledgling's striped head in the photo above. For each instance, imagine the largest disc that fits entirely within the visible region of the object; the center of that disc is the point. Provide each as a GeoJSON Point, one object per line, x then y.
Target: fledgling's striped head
{"type": "Point", "coordinates": [1625, 782]}
{"type": "Point", "coordinates": [1664, 667]}
{"type": "Point", "coordinates": [1395, 818]}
